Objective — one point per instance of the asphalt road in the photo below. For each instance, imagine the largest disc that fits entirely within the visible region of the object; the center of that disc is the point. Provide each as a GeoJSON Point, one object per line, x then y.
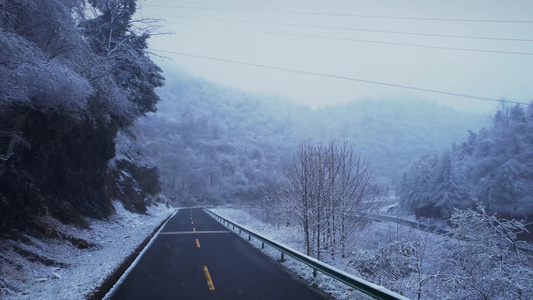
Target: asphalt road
{"type": "Point", "coordinates": [195, 257]}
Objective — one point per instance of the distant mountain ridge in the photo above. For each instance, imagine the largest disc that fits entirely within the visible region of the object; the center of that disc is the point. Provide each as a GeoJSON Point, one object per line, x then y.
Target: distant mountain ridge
{"type": "Point", "coordinates": [214, 143]}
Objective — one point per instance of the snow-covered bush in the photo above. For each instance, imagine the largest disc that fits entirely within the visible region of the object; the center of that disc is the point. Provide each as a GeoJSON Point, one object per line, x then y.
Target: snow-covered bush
{"type": "Point", "coordinates": [489, 261]}
{"type": "Point", "coordinates": [28, 79]}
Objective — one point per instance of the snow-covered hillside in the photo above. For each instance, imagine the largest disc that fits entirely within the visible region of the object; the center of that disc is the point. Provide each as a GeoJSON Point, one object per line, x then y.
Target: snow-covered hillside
{"type": "Point", "coordinates": [415, 263]}
{"type": "Point", "coordinates": [77, 262]}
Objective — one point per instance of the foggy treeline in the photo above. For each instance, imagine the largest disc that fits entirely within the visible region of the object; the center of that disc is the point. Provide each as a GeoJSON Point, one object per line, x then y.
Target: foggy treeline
{"type": "Point", "coordinates": [214, 145]}
{"type": "Point", "coordinates": [493, 165]}
{"type": "Point", "coordinates": [71, 81]}
{"type": "Point", "coordinates": [217, 144]}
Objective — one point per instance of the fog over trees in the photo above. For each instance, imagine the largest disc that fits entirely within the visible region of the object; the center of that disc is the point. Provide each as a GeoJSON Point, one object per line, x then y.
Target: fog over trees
{"type": "Point", "coordinates": [79, 128]}
{"type": "Point", "coordinates": [216, 144]}
{"type": "Point", "coordinates": [323, 170]}
{"type": "Point", "coordinates": [492, 165]}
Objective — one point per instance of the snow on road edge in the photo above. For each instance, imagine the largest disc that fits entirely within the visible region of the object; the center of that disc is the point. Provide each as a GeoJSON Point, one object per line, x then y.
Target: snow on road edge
{"type": "Point", "coordinates": [289, 235]}
{"type": "Point", "coordinates": [123, 277]}
{"type": "Point", "coordinates": [82, 270]}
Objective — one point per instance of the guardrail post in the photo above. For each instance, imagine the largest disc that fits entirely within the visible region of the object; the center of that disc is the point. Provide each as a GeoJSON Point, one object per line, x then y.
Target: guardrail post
{"type": "Point", "coordinates": [262, 245]}
{"type": "Point", "coordinates": [314, 273]}
{"type": "Point", "coordinates": [239, 231]}
{"type": "Point", "coordinates": [233, 227]}
{"type": "Point", "coordinates": [282, 256]}
{"type": "Point", "coordinates": [249, 237]}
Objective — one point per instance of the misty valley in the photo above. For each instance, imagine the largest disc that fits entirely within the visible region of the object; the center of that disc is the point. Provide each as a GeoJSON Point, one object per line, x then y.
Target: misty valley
{"type": "Point", "coordinates": [127, 175]}
{"type": "Point", "coordinates": [455, 173]}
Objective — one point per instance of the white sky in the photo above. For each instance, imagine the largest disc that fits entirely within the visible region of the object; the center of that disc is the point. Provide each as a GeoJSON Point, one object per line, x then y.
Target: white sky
{"type": "Point", "coordinates": [475, 73]}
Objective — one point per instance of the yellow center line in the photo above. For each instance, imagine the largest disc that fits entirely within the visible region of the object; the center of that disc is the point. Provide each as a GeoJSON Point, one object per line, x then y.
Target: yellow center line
{"type": "Point", "coordinates": [193, 229]}
{"type": "Point", "coordinates": [208, 277]}
{"type": "Point", "coordinates": [197, 243]}
{"type": "Point", "coordinates": [192, 222]}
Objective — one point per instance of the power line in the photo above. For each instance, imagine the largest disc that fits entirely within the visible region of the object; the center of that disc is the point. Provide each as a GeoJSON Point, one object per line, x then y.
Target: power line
{"type": "Point", "coordinates": [345, 15]}
{"type": "Point", "coordinates": [340, 77]}
{"type": "Point", "coordinates": [374, 42]}
{"type": "Point", "coordinates": [353, 29]}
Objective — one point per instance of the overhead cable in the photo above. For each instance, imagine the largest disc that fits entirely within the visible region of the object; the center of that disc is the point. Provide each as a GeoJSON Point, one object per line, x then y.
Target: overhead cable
{"type": "Point", "coordinates": [344, 15]}
{"type": "Point", "coordinates": [374, 41]}
{"type": "Point", "coordinates": [350, 29]}
{"type": "Point", "coordinates": [340, 77]}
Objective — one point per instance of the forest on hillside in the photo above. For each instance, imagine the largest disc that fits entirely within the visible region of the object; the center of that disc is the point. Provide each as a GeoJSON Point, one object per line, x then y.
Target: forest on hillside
{"type": "Point", "coordinates": [72, 74]}
{"type": "Point", "coordinates": [216, 145]}
{"type": "Point", "coordinates": [79, 130]}
{"type": "Point", "coordinates": [492, 166]}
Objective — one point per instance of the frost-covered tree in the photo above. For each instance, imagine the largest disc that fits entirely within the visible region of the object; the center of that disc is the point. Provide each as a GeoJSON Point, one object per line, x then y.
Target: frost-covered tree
{"type": "Point", "coordinates": [329, 189]}
{"type": "Point", "coordinates": [416, 187]}
{"type": "Point", "coordinates": [62, 101]}
{"type": "Point", "coordinates": [493, 165]}
{"type": "Point", "coordinates": [481, 258]}
{"type": "Point", "coordinates": [123, 70]}
{"type": "Point", "coordinates": [433, 188]}
{"type": "Point", "coordinates": [39, 61]}
{"type": "Point", "coordinates": [449, 189]}
{"type": "Point", "coordinates": [488, 260]}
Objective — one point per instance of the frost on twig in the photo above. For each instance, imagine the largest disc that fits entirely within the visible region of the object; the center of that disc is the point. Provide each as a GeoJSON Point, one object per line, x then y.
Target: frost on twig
{"type": "Point", "coordinates": [490, 262]}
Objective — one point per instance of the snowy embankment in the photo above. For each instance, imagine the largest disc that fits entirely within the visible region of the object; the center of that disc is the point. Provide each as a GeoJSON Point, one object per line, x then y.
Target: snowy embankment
{"type": "Point", "coordinates": [291, 236]}
{"type": "Point", "coordinates": [73, 266]}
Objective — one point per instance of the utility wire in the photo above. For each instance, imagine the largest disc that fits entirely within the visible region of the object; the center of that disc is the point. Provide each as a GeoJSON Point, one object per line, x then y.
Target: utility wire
{"type": "Point", "coordinates": [340, 77]}
{"type": "Point", "coordinates": [344, 15]}
{"type": "Point", "coordinates": [370, 41]}
{"type": "Point", "coordinates": [352, 29]}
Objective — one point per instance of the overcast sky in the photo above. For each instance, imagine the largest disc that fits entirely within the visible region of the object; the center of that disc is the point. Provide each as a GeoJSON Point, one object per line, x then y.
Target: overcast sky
{"type": "Point", "coordinates": [243, 36]}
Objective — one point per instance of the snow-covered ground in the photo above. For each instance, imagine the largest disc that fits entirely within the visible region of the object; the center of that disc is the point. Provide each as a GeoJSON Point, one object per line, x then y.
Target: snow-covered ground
{"type": "Point", "coordinates": [376, 252]}
{"type": "Point", "coordinates": [76, 272]}
{"type": "Point", "coordinates": [291, 237]}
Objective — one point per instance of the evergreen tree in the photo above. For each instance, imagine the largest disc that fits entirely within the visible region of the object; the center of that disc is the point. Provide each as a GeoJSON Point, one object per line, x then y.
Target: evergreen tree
{"type": "Point", "coordinates": [449, 188]}
{"type": "Point", "coordinates": [497, 163]}
{"type": "Point", "coordinates": [123, 70]}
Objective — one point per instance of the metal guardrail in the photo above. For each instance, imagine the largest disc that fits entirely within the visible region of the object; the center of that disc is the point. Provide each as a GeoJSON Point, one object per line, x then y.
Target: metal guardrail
{"type": "Point", "coordinates": [373, 290]}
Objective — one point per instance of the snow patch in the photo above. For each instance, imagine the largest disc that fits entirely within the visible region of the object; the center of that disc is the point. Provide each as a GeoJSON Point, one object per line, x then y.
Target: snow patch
{"type": "Point", "coordinates": [291, 236]}
{"type": "Point", "coordinates": [76, 272]}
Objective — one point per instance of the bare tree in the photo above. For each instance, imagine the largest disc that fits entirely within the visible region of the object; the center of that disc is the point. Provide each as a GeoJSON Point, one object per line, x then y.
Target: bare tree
{"type": "Point", "coordinates": [328, 188]}
{"type": "Point", "coordinates": [489, 261]}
